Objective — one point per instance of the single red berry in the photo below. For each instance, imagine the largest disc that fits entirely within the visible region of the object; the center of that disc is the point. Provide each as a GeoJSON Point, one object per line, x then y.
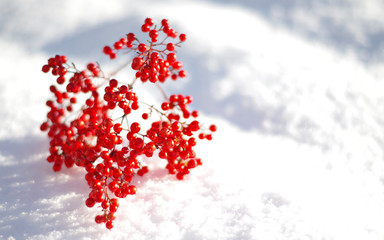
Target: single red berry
{"type": "Point", "coordinates": [90, 202]}
{"type": "Point", "coordinates": [123, 41]}
{"type": "Point", "coordinates": [171, 57]}
{"type": "Point", "coordinates": [44, 126]}
{"type": "Point", "coordinates": [180, 176]}
{"type": "Point", "coordinates": [113, 83]}
{"type": "Point", "coordinates": [135, 105]}
{"type": "Point", "coordinates": [164, 22]}
{"type": "Point", "coordinates": [99, 219]}
{"type": "Point", "coordinates": [165, 106]}
{"type": "Point", "coordinates": [46, 68]}
{"type": "Point", "coordinates": [63, 59]}
{"type": "Point", "coordinates": [131, 37]}
{"type": "Point", "coordinates": [56, 167]}
{"type": "Point", "coordinates": [145, 27]}
{"type": "Point", "coordinates": [135, 127]}
{"type": "Point", "coordinates": [109, 224]}
{"type": "Point", "coordinates": [194, 126]}
{"type": "Point", "coordinates": [142, 47]}
{"type": "Point", "coordinates": [132, 189]}
{"type": "Point", "coordinates": [153, 33]}
{"type": "Point", "coordinates": [163, 154]}
{"type": "Point", "coordinates": [137, 62]}
{"type": "Point", "coordinates": [117, 127]}
{"type": "Point", "coordinates": [107, 50]}
{"type": "Point", "coordinates": [183, 37]}
{"type": "Point", "coordinates": [213, 128]}
{"type": "Point", "coordinates": [105, 204]}
{"type": "Point", "coordinates": [62, 71]}
{"type": "Point", "coordinates": [108, 123]}
{"type": "Point", "coordinates": [192, 163]}
{"type": "Point", "coordinates": [149, 21]}
{"type": "Point", "coordinates": [112, 55]}
{"type": "Point", "coordinates": [155, 55]}
{"type": "Point", "coordinates": [170, 46]}
{"type": "Point", "coordinates": [172, 33]}
{"type": "Point", "coordinates": [91, 67]}
{"type": "Point", "coordinates": [123, 89]}
{"type": "Point", "coordinates": [60, 80]}
{"type": "Point", "coordinates": [118, 45]}
{"type": "Point", "coordinates": [145, 116]}
{"type": "Point", "coordinates": [182, 74]}
{"type": "Point", "coordinates": [177, 65]}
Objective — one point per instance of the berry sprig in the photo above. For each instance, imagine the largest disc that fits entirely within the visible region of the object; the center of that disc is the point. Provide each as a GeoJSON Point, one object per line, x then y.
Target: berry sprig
{"type": "Point", "coordinates": [111, 150]}
{"type": "Point", "coordinates": [155, 61]}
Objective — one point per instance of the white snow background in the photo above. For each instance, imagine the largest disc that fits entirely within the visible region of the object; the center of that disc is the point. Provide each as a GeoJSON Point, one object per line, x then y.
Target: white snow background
{"type": "Point", "coordinates": [295, 88]}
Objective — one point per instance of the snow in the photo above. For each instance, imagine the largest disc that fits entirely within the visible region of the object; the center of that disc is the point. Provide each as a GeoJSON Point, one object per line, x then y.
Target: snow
{"type": "Point", "coordinates": [294, 88]}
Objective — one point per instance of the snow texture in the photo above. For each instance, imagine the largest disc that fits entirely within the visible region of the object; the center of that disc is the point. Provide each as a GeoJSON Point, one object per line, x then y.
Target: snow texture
{"type": "Point", "coordinates": [295, 88]}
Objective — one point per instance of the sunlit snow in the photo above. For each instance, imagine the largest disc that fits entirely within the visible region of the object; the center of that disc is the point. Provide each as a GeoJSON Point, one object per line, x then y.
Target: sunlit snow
{"type": "Point", "coordinates": [295, 88]}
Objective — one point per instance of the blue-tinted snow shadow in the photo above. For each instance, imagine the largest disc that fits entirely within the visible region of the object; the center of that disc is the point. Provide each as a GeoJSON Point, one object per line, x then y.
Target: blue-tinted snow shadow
{"type": "Point", "coordinates": [329, 30]}
{"type": "Point", "coordinates": [29, 186]}
{"type": "Point", "coordinates": [236, 107]}
{"type": "Point", "coordinates": [87, 43]}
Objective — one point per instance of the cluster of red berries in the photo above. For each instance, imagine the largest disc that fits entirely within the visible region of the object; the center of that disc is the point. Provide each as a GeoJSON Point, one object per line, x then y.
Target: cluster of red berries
{"type": "Point", "coordinates": [151, 63]}
{"type": "Point", "coordinates": [111, 150]}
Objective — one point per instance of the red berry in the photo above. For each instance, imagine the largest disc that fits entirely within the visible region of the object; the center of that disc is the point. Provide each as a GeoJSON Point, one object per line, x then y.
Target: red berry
{"type": "Point", "coordinates": [46, 68]}
{"type": "Point", "coordinates": [109, 225]}
{"type": "Point", "coordinates": [171, 57]}
{"type": "Point", "coordinates": [108, 123]}
{"type": "Point", "coordinates": [142, 47]}
{"type": "Point", "coordinates": [63, 59]}
{"type": "Point", "coordinates": [90, 202]}
{"type": "Point", "coordinates": [177, 65]}
{"type": "Point", "coordinates": [135, 127]}
{"type": "Point", "coordinates": [118, 45]}
{"type": "Point", "coordinates": [153, 34]}
{"type": "Point", "coordinates": [112, 55]}
{"type": "Point", "coordinates": [194, 126]}
{"type": "Point", "coordinates": [99, 219]}
{"type": "Point", "coordinates": [155, 55]}
{"type": "Point", "coordinates": [180, 176]}
{"type": "Point", "coordinates": [60, 80]}
{"type": "Point", "coordinates": [165, 106]}
{"type": "Point", "coordinates": [149, 21]}
{"type": "Point", "coordinates": [131, 37]}
{"type": "Point", "coordinates": [170, 46]}
{"type": "Point", "coordinates": [117, 127]}
{"type": "Point", "coordinates": [145, 28]}
{"type": "Point", "coordinates": [137, 62]}
{"type": "Point", "coordinates": [56, 167]}
{"type": "Point", "coordinates": [191, 163]}
{"type": "Point", "coordinates": [183, 37]}
{"type": "Point", "coordinates": [164, 22]}
{"type": "Point", "coordinates": [113, 83]}
{"type": "Point", "coordinates": [208, 137]}
{"type": "Point", "coordinates": [91, 67]}
{"type": "Point", "coordinates": [182, 74]}
{"type": "Point", "coordinates": [44, 126]}
{"type": "Point", "coordinates": [135, 105]}
{"type": "Point", "coordinates": [107, 50]}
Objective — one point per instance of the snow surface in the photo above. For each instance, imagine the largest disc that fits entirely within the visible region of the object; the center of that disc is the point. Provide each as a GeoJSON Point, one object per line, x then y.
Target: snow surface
{"type": "Point", "coordinates": [295, 88]}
